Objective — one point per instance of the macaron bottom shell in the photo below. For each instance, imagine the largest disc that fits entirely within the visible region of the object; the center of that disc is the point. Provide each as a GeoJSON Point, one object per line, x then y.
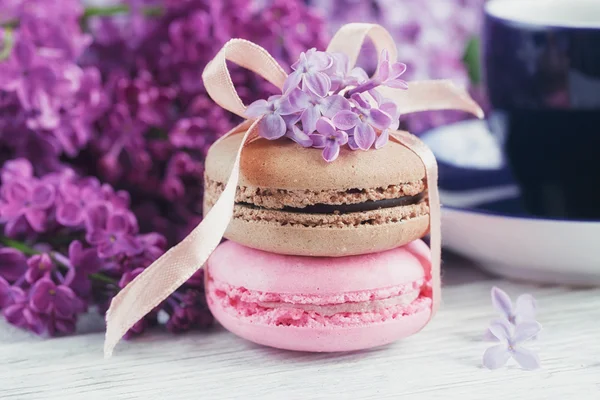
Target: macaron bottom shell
{"type": "Point", "coordinates": [320, 304]}
{"type": "Point", "coordinates": [328, 338]}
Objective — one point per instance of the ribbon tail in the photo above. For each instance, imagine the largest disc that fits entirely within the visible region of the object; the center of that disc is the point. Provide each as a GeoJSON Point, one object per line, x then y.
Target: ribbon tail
{"type": "Point", "coordinates": [435, 232]}
{"type": "Point", "coordinates": [176, 266]}
{"type": "Point", "coordinates": [431, 96]}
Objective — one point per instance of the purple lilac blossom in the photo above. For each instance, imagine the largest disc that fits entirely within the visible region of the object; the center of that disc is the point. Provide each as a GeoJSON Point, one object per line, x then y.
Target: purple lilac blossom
{"type": "Point", "coordinates": [511, 345]}
{"type": "Point", "coordinates": [323, 89]}
{"type": "Point", "coordinates": [329, 138]}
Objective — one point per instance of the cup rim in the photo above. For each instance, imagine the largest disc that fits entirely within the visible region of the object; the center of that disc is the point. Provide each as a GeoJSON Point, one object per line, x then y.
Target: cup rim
{"type": "Point", "coordinates": [553, 13]}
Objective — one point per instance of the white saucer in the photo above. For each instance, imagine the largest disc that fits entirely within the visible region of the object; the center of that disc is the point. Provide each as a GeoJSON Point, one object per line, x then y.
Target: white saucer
{"type": "Point", "coordinates": [482, 220]}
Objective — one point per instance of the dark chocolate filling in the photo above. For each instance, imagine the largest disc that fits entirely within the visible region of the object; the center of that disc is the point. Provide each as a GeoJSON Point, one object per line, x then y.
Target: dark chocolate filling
{"type": "Point", "coordinates": [350, 208]}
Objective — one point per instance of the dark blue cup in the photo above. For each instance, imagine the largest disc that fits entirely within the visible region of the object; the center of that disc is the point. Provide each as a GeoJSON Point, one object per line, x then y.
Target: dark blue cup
{"type": "Point", "coordinates": [541, 61]}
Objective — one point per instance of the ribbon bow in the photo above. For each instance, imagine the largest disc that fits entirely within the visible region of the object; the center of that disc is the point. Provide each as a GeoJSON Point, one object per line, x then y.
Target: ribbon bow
{"type": "Point", "coordinates": [178, 264]}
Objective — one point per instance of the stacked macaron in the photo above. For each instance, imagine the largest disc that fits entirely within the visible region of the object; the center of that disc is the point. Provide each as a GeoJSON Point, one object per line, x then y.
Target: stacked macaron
{"type": "Point", "coordinates": [320, 257]}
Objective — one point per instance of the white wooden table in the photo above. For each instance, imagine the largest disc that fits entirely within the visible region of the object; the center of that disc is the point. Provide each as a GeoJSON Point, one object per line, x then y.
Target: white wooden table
{"type": "Point", "coordinates": [441, 362]}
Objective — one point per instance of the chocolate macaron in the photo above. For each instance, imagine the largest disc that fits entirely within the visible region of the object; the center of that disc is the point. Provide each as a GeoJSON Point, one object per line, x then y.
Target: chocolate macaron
{"type": "Point", "coordinates": [290, 201]}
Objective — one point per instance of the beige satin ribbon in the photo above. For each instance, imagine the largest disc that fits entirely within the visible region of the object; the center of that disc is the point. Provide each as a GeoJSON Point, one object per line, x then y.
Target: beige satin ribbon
{"type": "Point", "coordinates": [178, 264]}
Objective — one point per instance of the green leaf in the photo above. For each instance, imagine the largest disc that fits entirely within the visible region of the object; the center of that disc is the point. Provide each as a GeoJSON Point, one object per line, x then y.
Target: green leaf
{"type": "Point", "coordinates": [150, 11]}
{"type": "Point", "coordinates": [8, 43]}
{"type": "Point", "coordinates": [472, 60]}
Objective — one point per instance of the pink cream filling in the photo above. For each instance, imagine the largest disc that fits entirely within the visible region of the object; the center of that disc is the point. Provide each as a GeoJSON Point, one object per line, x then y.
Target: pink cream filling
{"type": "Point", "coordinates": [347, 309]}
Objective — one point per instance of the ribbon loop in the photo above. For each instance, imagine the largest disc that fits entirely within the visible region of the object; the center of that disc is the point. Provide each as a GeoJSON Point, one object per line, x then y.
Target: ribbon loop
{"type": "Point", "coordinates": [217, 79]}
{"type": "Point", "coordinates": [350, 38]}
{"type": "Point", "coordinates": [431, 96]}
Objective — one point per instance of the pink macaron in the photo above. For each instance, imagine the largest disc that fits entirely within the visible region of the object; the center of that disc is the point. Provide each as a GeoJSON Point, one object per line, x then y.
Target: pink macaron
{"type": "Point", "coordinates": [317, 303]}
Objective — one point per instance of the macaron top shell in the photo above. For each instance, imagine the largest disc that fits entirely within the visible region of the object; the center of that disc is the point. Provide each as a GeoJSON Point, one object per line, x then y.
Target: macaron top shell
{"type": "Point", "coordinates": [258, 270]}
{"type": "Point", "coordinates": [283, 164]}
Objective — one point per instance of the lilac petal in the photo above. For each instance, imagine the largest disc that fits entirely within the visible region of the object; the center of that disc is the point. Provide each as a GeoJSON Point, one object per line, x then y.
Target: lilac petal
{"type": "Point", "coordinates": [24, 52]}
{"type": "Point", "coordinates": [256, 109]}
{"type": "Point", "coordinates": [301, 62]}
{"type": "Point", "coordinates": [75, 251]}
{"type": "Point", "coordinates": [272, 127]}
{"type": "Point", "coordinates": [382, 139]}
{"type": "Point", "coordinates": [379, 119]}
{"type": "Point", "coordinates": [501, 329]}
{"type": "Point", "coordinates": [318, 83]}
{"type": "Point", "coordinates": [331, 105]}
{"type": "Point", "coordinates": [345, 119]}
{"type": "Point", "coordinates": [526, 330]}
{"type": "Point", "coordinates": [319, 141]}
{"type": "Point", "coordinates": [64, 301]}
{"type": "Point", "coordinates": [388, 107]}
{"type": "Point", "coordinates": [364, 135]}
{"type": "Point", "coordinates": [325, 127]}
{"type": "Point", "coordinates": [292, 81]}
{"type": "Point", "coordinates": [36, 322]}
{"type": "Point", "coordinates": [352, 143]}
{"type": "Point", "coordinates": [299, 137]}
{"type": "Point", "coordinates": [97, 216]}
{"type": "Point", "coordinates": [42, 196]}
{"type": "Point", "coordinates": [501, 302]}
{"type": "Point", "coordinates": [397, 69]}
{"type": "Point", "coordinates": [360, 101]}
{"type": "Point", "coordinates": [496, 356]}
{"type": "Point", "coordinates": [42, 296]}
{"type": "Point", "coordinates": [488, 336]}
{"type": "Point", "coordinates": [14, 315]}
{"type": "Point", "coordinates": [96, 237]}
{"type": "Point", "coordinates": [309, 118]}
{"type": "Point", "coordinates": [13, 264]}
{"type": "Point", "coordinates": [17, 192]}
{"type": "Point", "coordinates": [118, 223]}
{"type": "Point", "coordinates": [131, 245]}
{"type": "Point", "coordinates": [10, 295]}
{"type": "Point", "coordinates": [331, 150]}
{"type": "Point", "coordinates": [292, 119]}
{"type": "Point", "coordinates": [525, 307]}
{"type": "Point", "coordinates": [286, 108]}
{"type": "Point", "coordinates": [526, 358]}
{"type": "Point", "coordinates": [383, 72]}
{"type": "Point", "coordinates": [299, 100]}
{"type": "Point", "coordinates": [107, 249]}
{"type": "Point", "coordinates": [319, 60]}
{"type": "Point", "coordinates": [69, 214]}
{"type": "Point", "coordinates": [341, 137]}
{"type": "Point", "coordinates": [36, 219]}
{"type": "Point", "coordinates": [397, 84]}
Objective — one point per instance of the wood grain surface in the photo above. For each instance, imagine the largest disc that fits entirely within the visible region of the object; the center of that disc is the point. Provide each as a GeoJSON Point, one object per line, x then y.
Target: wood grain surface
{"type": "Point", "coordinates": [441, 362]}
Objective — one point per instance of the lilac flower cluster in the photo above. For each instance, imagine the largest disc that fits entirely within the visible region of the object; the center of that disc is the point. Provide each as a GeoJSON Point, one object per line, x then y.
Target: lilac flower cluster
{"type": "Point", "coordinates": [114, 94]}
{"type": "Point", "coordinates": [47, 101]}
{"type": "Point", "coordinates": [324, 104]}
{"type": "Point", "coordinates": [432, 36]}
{"type": "Point", "coordinates": [516, 325]}
{"type": "Point", "coordinates": [68, 242]}
{"type": "Point", "coordinates": [153, 138]}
